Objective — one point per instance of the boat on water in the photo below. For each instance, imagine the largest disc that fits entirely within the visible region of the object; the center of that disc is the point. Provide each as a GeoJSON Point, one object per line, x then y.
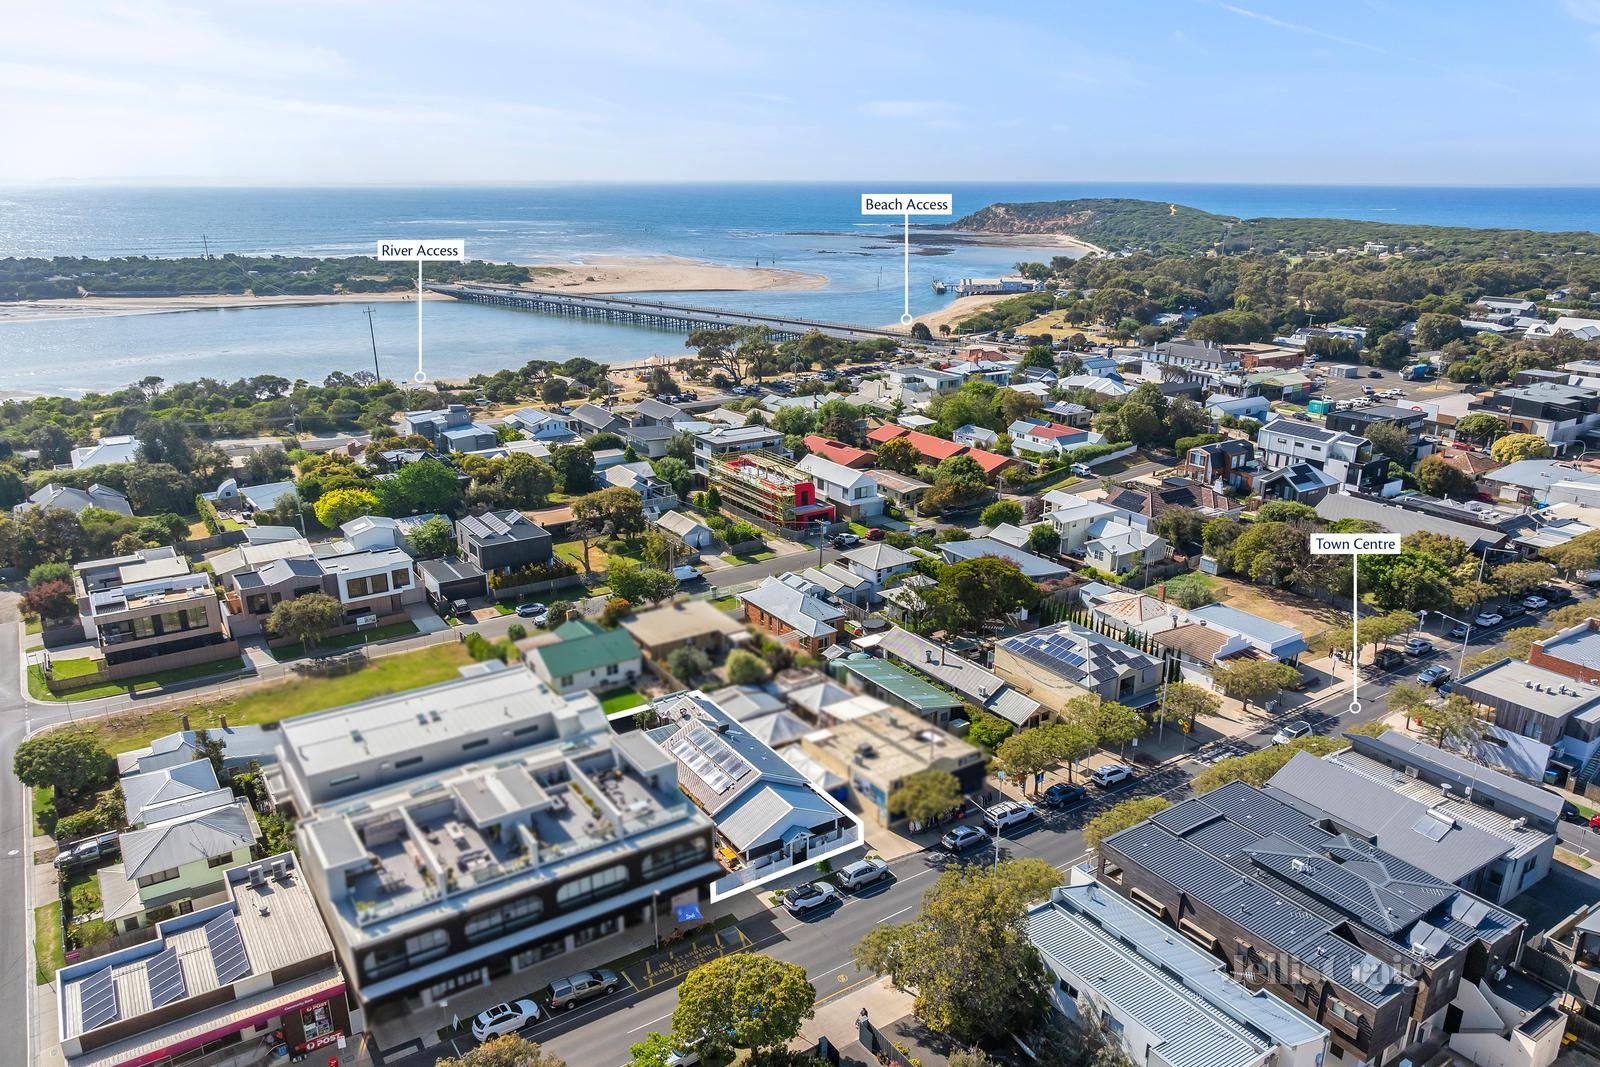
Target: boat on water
{"type": "Point", "coordinates": [940, 287]}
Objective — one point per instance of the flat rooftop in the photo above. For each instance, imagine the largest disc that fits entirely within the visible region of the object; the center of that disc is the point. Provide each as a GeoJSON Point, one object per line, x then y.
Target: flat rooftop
{"type": "Point", "coordinates": [899, 683]}
{"type": "Point", "coordinates": [1523, 685]}
{"type": "Point", "coordinates": [889, 747]}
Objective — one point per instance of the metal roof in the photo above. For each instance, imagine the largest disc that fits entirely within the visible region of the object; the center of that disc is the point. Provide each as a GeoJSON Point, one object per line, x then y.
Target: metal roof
{"type": "Point", "coordinates": [978, 684]}
{"type": "Point", "coordinates": [207, 835]}
{"type": "Point", "coordinates": [899, 683]}
{"type": "Point", "coordinates": [1394, 747]}
{"type": "Point", "coordinates": [583, 647]}
{"type": "Point", "coordinates": [1280, 640]}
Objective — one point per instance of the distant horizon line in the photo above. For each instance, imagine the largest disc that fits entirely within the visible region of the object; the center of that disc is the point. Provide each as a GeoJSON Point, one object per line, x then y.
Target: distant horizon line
{"type": "Point", "coordinates": [180, 183]}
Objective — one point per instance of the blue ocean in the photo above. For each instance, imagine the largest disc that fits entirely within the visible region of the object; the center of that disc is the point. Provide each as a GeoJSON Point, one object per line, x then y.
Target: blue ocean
{"type": "Point", "coordinates": [813, 227]}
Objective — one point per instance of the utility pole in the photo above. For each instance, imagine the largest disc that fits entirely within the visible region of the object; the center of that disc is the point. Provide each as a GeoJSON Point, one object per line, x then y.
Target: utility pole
{"type": "Point", "coordinates": [205, 244]}
{"type": "Point", "coordinates": [373, 334]}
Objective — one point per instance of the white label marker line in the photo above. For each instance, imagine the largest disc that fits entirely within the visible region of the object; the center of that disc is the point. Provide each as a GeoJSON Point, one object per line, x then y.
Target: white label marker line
{"type": "Point", "coordinates": [452, 250]}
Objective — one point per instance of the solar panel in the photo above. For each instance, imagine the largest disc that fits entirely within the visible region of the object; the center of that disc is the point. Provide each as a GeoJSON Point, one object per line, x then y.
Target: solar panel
{"type": "Point", "coordinates": [164, 975]}
{"type": "Point", "coordinates": [495, 523]}
{"type": "Point", "coordinates": [98, 997]}
{"type": "Point", "coordinates": [1431, 828]}
{"type": "Point", "coordinates": [227, 949]}
{"type": "Point", "coordinates": [474, 526]}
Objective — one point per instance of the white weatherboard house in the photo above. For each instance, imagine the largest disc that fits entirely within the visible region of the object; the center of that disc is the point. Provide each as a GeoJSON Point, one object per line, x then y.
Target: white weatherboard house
{"type": "Point", "coordinates": [855, 492]}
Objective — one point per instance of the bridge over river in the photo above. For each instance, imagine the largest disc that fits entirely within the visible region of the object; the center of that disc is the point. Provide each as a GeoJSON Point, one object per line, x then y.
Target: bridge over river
{"type": "Point", "coordinates": [623, 309]}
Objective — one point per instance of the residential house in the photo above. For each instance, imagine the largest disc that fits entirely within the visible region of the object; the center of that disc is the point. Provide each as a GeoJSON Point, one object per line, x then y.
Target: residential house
{"type": "Point", "coordinates": [897, 687]}
{"type": "Point", "coordinates": [503, 541]}
{"type": "Point", "coordinates": [915, 387]}
{"type": "Point", "coordinates": [979, 686]}
{"type": "Point", "coordinates": [374, 588]}
{"type": "Point", "coordinates": [932, 449]}
{"type": "Point", "coordinates": [839, 452]}
{"type": "Point", "coordinates": [253, 971]}
{"type": "Point", "coordinates": [731, 440]}
{"type": "Point", "coordinates": [1543, 482]}
{"type": "Point", "coordinates": [1048, 439]}
{"type": "Point", "coordinates": [875, 754]}
{"type": "Point", "coordinates": [1035, 567]}
{"type": "Point", "coordinates": [1257, 408]}
{"type": "Point", "coordinates": [445, 581]}
{"type": "Point", "coordinates": [479, 827]}
{"type": "Point", "coordinates": [1146, 503]}
{"type": "Point", "coordinates": [68, 498]}
{"type": "Point", "coordinates": [770, 820]}
{"type": "Point", "coordinates": [1344, 456]}
{"type": "Point", "coordinates": [240, 746]}
{"type": "Point", "coordinates": [1384, 955]}
{"type": "Point", "coordinates": [178, 861]}
{"type": "Point", "coordinates": [1161, 999]}
{"type": "Point", "coordinates": [450, 429]}
{"type": "Point", "coordinates": [148, 611]}
{"type": "Point", "coordinates": [117, 448]}
{"type": "Point", "coordinates": [655, 493]}
{"type": "Point", "coordinates": [551, 427]}
{"type": "Point", "coordinates": [1116, 546]}
{"type": "Point", "coordinates": [1558, 412]}
{"type": "Point", "coordinates": [1507, 305]}
{"type": "Point", "coordinates": [1098, 366]}
{"type": "Point", "coordinates": [1290, 386]}
{"type": "Point", "coordinates": [1201, 356]}
{"type": "Point", "coordinates": [770, 488]}
{"type": "Point", "coordinates": [1073, 516]}
{"type": "Point", "coordinates": [792, 609]}
{"type": "Point", "coordinates": [164, 793]}
{"type": "Point", "coordinates": [900, 490]}
{"type": "Point", "coordinates": [1221, 464]}
{"type": "Point", "coordinates": [1066, 413]}
{"type": "Point", "coordinates": [651, 440]}
{"type": "Point", "coordinates": [1282, 643]}
{"type": "Point", "coordinates": [1570, 325]}
{"type": "Point", "coordinates": [982, 367]}
{"type": "Point", "coordinates": [1056, 664]}
{"type": "Point", "coordinates": [683, 525]}
{"type": "Point", "coordinates": [1549, 706]}
{"type": "Point", "coordinates": [580, 655]}
{"type": "Point", "coordinates": [841, 584]}
{"type": "Point", "coordinates": [1301, 483]}
{"type": "Point", "coordinates": [853, 492]}
{"type": "Point", "coordinates": [688, 623]}
{"type": "Point", "coordinates": [590, 419]}
{"type": "Point", "coordinates": [1360, 421]}
{"type": "Point", "coordinates": [653, 412]}
{"type": "Point", "coordinates": [975, 436]}
{"type": "Point", "coordinates": [1108, 385]}
{"type": "Point", "coordinates": [877, 562]}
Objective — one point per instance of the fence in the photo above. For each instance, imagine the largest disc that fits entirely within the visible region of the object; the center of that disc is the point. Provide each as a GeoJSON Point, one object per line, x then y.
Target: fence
{"type": "Point", "coordinates": [513, 592]}
{"type": "Point", "coordinates": [201, 545]}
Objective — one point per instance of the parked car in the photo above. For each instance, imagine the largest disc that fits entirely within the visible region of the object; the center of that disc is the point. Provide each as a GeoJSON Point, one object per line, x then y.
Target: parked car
{"type": "Point", "coordinates": [1111, 774]}
{"type": "Point", "coordinates": [1535, 602]}
{"type": "Point", "coordinates": [1571, 813]}
{"type": "Point", "coordinates": [862, 873]}
{"type": "Point", "coordinates": [961, 838]}
{"type": "Point", "coordinates": [809, 897]}
{"type": "Point", "coordinates": [1008, 813]}
{"type": "Point", "coordinates": [1488, 618]}
{"type": "Point", "coordinates": [1594, 822]}
{"type": "Point", "coordinates": [875, 534]}
{"type": "Point", "coordinates": [574, 989]}
{"type": "Point", "coordinates": [686, 574]}
{"type": "Point", "coordinates": [1374, 374]}
{"type": "Point", "coordinates": [1555, 594]}
{"type": "Point", "coordinates": [1514, 610]}
{"type": "Point", "coordinates": [1419, 646]}
{"type": "Point", "coordinates": [1434, 675]}
{"type": "Point", "coordinates": [1458, 630]}
{"type": "Point", "coordinates": [1081, 470]}
{"type": "Point", "coordinates": [1387, 659]}
{"type": "Point", "coordinates": [1062, 795]}
{"type": "Point", "coordinates": [530, 610]}
{"type": "Point", "coordinates": [1290, 731]}
{"type": "Point", "coordinates": [846, 540]}
{"type": "Point", "coordinates": [505, 1018]}
{"type": "Point", "coordinates": [82, 853]}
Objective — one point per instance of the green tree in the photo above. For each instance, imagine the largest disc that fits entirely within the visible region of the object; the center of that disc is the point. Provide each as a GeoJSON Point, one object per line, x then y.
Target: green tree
{"type": "Point", "coordinates": [424, 486]}
{"type": "Point", "coordinates": [524, 481]}
{"type": "Point", "coordinates": [1408, 698]}
{"type": "Point", "coordinates": [72, 762]}
{"type": "Point", "coordinates": [676, 473]}
{"type": "Point", "coordinates": [688, 664]}
{"type": "Point", "coordinates": [966, 955]}
{"type": "Point", "coordinates": [1582, 553]}
{"type": "Point", "coordinates": [653, 1051]}
{"type": "Point", "coordinates": [1452, 721]}
{"type": "Point", "coordinates": [1373, 630]}
{"type": "Point", "coordinates": [1252, 680]}
{"type": "Point", "coordinates": [1257, 768]}
{"type": "Point", "coordinates": [746, 668]}
{"type": "Point", "coordinates": [1271, 553]}
{"type": "Point", "coordinates": [1118, 818]}
{"type": "Point", "coordinates": [1187, 702]}
{"type": "Point", "coordinates": [974, 592]}
{"type": "Point", "coordinates": [1436, 477]}
{"type": "Point", "coordinates": [1190, 590]}
{"type": "Point", "coordinates": [306, 619]}
{"type": "Point", "coordinates": [1044, 539]}
{"type": "Point", "coordinates": [338, 507]}
{"type": "Point", "coordinates": [1436, 331]}
{"type": "Point", "coordinates": [1001, 512]}
{"type": "Point", "coordinates": [1390, 440]}
{"type": "Point", "coordinates": [1109, 723]}
{"type": "Point", "coordinates": [1518, 579]}
{"type": "Point", "coordinates": [988, 730]}
{"type": "Point", "coordinates": [508, 1050]}
{"type": "Point", "coordinates": [637, 584]}
{"type": "Point", "coordinates": [745, 1001]}
{"type": "Point", "coordinates": [432, 539]}
{"type": "Point", "coordinates": [574, 467]}
{"type": "Point", "coordinates": [1480, 427]}
{"type": "Point", "coordinates": [899, 455]}
{"type": "Point", "coordinates": [1514, 447]}
{"type": "Point", "coordinates": [924, 795]}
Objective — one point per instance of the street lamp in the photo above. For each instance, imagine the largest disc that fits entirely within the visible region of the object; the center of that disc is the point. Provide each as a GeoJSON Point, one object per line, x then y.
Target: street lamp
{"type": "Point", "coordinates": [1422, 618]}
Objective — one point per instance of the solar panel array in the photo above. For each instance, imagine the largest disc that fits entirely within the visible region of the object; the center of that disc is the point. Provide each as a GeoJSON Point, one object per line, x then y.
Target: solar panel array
{"type": "Point", "coordinates": [708, 756]}
{"type": "Point", "coordinates": [495, 523]}
{"type": "Point", "coordinates": [164, 975]}
{"type": "Point", "coordinates": [1055, 651]}
{"type": "Point", "coordinates": [473, 526]}
{"type": "Point", "coordinates": [98, 997]}
{"type": "Point", "coordinates": [227, 949]}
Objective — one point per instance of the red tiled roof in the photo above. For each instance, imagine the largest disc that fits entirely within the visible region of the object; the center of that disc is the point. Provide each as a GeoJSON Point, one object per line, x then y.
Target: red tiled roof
{"type": "Point", "coordinates": [887, 432]}
{"type": "Point", "coordinates": [932, 447]}
{"type": "Point", "coordinates": [1473, 463]}
{"type": "Point", "coordinates": [989, 461]}
{"type": "Point", "coordinates": [1052, 432]}
{"type": "Point", "coordinates": [839, 452]}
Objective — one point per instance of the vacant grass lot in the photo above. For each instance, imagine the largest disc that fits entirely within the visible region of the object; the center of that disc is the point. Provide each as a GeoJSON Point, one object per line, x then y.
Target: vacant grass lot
{"type": "Point", "coordinates": [39, 690]}
{"type": "Point", "coordinates": [1310, 617]}
{"type": "Point", "coordinates": [360, 637]}
{"type": "Point", "coordinates": [387, 674]}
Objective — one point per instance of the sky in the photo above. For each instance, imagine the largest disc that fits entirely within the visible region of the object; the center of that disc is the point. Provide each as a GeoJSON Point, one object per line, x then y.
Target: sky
{"type": "Point", "coordinates": [401, 92]}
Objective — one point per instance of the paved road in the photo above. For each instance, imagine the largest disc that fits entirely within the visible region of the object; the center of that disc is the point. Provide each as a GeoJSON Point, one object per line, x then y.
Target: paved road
{"type": "Point", "coordinates": [728, 577]}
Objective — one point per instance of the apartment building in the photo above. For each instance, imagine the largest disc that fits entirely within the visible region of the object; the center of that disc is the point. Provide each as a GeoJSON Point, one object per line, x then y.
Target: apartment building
{"type": "Point", "coordinates": [1367, 945]}
{"type": "Point", "coordinates": [771, 488]}
{"type": "Point", "coordinates": [147, 611]}
{"type": "Point", "coordinates": [478, 827]}
{"type": "Point", "coordinates": [1345, 457]}
{"type": "Point", "coordinates": [726, 441]}
{"type": "Point", "coordinates": [875, 753]}
{"type": "Point", "coordinates": [1558, 412]}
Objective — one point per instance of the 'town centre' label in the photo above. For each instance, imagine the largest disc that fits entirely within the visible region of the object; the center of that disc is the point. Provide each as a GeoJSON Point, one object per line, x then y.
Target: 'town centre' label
{"type": "Point", "coordinates": [907, 204]}
{"type": "Point", "coordinates": [1363, 544]}
{"type": "Point", "coordinates": [452, 250]}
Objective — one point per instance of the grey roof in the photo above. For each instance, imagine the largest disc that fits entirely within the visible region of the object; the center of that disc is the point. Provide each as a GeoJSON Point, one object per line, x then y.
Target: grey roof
{"type": "Point", "coordinates": [1512, 683]}
{"type": "Point", "coordinates": [68, 498]}
{"type": "Point", "coordinates": [879, 556]}
{"type": "Point", "coordinates": [140, 791]}
{"type": "Point", "coordinates": [681, 523]}
{"type": "Point", "coordinates": [1280, 640]}
{"type": "Point", "coordinates": [777, 729]}
{"type": "Point", "coordinates": [795, 605]}
{"type": "Point", "coordinates": [449, 569]}
{"type": "Point", "coordinates": [1536, 474]}
{"type": "Point", "coordinates": [1440, 844]}
{"type": "Point", "coordinates": [1402, 521]}
{"type": "Point", "coordinates": [1198, 1015]}
{"type": "Point", "coordinates": [1393, 746]}
{"type": "Point", "coordinates": [171, 844]}
{"type": "Point", "coordinates": [1077, 655]}
{"type": "Point", "coordinates": [978, 684]}
{"type": "Point", "coordinates": [745, 702]}
{"type": "Point", "coordinates": [500, 527]}
{"type": "Point", "coordinates": [595, 417]}
{"type": "Point", "coordinates": [1030, 565]}
{"type": "Point", "coordinates": [657, 409]}
{"type": "Point", "coordinates": [1510, 753]}
{"type": "Point", "coordinates": [772, 812]}
{"type": "Point", "coordinates": [262, 497]}
{"type": "Point", "coordinates": [284, 570]}
{"type": "Point", "coordinates": [1304, 431]}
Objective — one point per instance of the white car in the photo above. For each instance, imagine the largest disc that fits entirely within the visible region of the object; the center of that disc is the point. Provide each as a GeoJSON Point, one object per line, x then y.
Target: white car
{"type": "Point", "coordinates": [505, 1018]}
{"type": "Point", "coordinates": [804, 898]}
{"type": "Point", "coordinates": [1488, 618]}
{"type": "Point", "coordinates": [1290, 731]}
{"type": "Point", "coordinates": [862, 873]}
{"type": "Point", "coordinates": [1008, 813]}
{"type": "Point", "coordinates": [1535, 603]}
{"type": "Point", "coordinates": [1111, 774]}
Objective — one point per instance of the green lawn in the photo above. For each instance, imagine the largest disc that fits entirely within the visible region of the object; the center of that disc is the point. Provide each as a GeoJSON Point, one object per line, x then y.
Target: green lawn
{"type": "Point", "coordinates": [360, 637]}
{"type": "Point", "coordinates": [726, 603]}
{"type": "Point", "coordinates": [386, 674]}
{"type": "Point", "coordinates": [621, 700]}
{"type": "Point", "coordinates": [759, 556]}
{"type": "Point", "coordinates": [49, 953]}
{"type": "Point", "coordinates": [74, 666]}
{"type": "Point", "coordinates": [41, 691]}
{"type": "Point", "coordinates": [44, 798]}
{"type": "Point", "coordinates": [34, 625]}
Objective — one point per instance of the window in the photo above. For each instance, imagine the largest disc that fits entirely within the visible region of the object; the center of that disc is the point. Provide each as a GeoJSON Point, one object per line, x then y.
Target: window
{"type": "Point", "coordinates": [1340, 1009]}
{"type": "Point", "coordinates": [158, 877]}
{"type": "Point", "coordinates": [1147, 902]}
{"type": "Point", "coordinates": [428, 945]}
{"type": "Point", "coordinates": [220, 861]}
{"type": "Point", "coordinates": [592, 886]}
{"type": "Point", "coordinates": [674, 857]}
{"type": "Point", "coordinates": [477, 742]}
{"type": "Point", "coordinates": [400, 579]}
{"type": "Point", "coordinates": [356, 587]}
{"type": "Point", "coordinates": [409, 761]}
{"type": "Point", "coordinates": [1067, 987]}
{"type": "Point", "coordinates": [504, 919]}
{"type": "Point", "coordinates": [384, 960]}
{"type": "Point", "coordinates": [612, 668]}
{"type": "Point", "coordinates": [380, 583]}
{"type": "Point", "coordinates": [343, 779]}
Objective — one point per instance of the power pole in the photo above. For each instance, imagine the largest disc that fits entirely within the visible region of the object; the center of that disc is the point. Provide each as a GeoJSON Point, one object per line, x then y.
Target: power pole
{"type": "Point", "coordinates": [373, 334]}
{"type": "Point", "coordinates": [205, 244]}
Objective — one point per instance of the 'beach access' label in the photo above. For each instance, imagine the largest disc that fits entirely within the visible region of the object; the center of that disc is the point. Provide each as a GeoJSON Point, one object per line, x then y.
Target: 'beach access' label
{"type": "Point", "coordinates": [1363, 544]}
{"type": "Point", "coordinates": [453, 250]}
{"type": "Point", "coordinates": [907, 204]}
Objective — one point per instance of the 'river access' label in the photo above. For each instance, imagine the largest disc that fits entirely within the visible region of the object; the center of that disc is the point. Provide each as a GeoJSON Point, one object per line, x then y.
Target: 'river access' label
{"type": "Point", "coordinates": [444, 250]}
{"type": "Point", "coordinates": [907, 204]}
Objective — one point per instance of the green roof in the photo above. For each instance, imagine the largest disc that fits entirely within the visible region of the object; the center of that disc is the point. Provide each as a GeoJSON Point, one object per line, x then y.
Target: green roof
{"type": "Point", "coordinates": [584, 647]}
{"type": "Point", "coordinates": [901, 684]}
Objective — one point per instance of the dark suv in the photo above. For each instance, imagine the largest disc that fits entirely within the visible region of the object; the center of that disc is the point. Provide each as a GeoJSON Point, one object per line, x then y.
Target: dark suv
{"type": "Point", "coordinates": [574, 989]}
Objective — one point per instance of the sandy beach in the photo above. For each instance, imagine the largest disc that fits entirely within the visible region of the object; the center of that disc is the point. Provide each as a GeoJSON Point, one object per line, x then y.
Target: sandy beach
{"type": "Point", "coordinates": [952, 313]}
{"type": "Point", "coordinates": [601, 274]}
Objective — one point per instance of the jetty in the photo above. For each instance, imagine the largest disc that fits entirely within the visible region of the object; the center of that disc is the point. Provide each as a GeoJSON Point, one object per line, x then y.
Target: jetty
{"type": "Point", "coordinates": [651, 313]}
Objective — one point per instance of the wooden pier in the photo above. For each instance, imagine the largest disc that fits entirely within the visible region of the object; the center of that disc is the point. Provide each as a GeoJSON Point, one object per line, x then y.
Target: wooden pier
{"type": "Point", "coordinates": [661, 316]}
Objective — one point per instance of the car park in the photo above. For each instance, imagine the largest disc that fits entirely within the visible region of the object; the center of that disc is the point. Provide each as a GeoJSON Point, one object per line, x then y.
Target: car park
{"type": "Point", "coordinates": [1063, 795]}
{"type": "Point", "coordinates": [1535, 602]}
{"type": "Point", "coordinates": [862, 873]}
{"type": "Point", "coordinates": [1291, 731]}
{"type": "Point", "coordinates": [1008, 813]}
{"type": "Point", "coordinates": [1111, 774]}
{"type": "Point", "coordinates": [809, 897]}
{"type": "Point", "coordinates": [530, 609]}
{"type": "Point", "coordinates": [505, 1018]}
{"type": "Point", "coordinates": [1419, 647]}
{"type": "Point", "coordinates": [961, 838]}
{"type": "Point", "coordinates": [1434, 675]}
{"type": "Point", "coordinates": [574, 989]}
{"type": "Point", "coordinates": [1488, 618]}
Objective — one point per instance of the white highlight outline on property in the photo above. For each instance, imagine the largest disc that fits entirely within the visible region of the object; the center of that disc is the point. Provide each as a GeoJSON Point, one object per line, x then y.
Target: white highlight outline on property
{"type": "Point", "coordinates": [446, 249]}
{"type": "Point", "coordinates": [1355, 545]}
{"type": "Point", "coordinates": [906, 205]}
